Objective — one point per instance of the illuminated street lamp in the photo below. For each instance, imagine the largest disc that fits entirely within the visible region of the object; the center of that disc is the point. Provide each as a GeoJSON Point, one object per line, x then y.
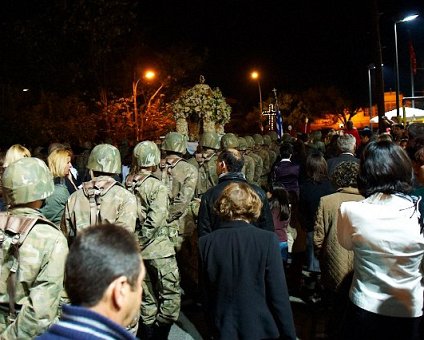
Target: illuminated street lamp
{"type": "Point", "coordinates": [148, 75]}
{"type": "Point", "coordinates": [406, 19]}
{"type": "Point", "coordinates": [255, 76]}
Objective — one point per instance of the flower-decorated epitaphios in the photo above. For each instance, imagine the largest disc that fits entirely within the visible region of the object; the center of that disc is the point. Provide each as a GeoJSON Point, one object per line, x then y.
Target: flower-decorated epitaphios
{"type": "Point", "coordinates": [201, 105]}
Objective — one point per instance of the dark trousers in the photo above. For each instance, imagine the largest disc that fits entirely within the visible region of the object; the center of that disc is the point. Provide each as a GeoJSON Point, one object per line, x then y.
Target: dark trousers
{"type": "Point", "coordinates": [362, 325]}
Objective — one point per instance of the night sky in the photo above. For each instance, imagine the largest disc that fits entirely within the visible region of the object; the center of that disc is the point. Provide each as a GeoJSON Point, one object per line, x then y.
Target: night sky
{"type": "Point", "coordinates": [293, 44]}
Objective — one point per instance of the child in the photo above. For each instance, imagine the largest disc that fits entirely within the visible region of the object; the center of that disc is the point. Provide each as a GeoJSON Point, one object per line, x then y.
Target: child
{"type": "Point", "coordinates": [280, 210]}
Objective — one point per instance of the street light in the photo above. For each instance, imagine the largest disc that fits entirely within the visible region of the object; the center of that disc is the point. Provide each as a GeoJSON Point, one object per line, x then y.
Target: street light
{"type": "Point", "coordinates": [370, 67]}
{"type": "Point", "coordinates": [406, 19]}
{"type": "Point", "coordinates": [255, 76]}
{"type": "Point", "coordinates": [148, 75]}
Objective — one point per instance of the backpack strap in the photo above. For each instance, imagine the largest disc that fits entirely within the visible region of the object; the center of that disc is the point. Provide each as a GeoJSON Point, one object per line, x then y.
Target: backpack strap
{"type": "Point", "coordinates": [134, 181]}
{"type": "Point", "coordinates": [166, 165]}
{"type": "Point", "coordinates": [18, 228]}
{"type": "Point", "coordinates": [93, 190]}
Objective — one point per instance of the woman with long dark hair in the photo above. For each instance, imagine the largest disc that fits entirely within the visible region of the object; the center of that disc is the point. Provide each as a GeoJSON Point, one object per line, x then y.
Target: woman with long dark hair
{"type": "Point", "coordinates": [385, 234]}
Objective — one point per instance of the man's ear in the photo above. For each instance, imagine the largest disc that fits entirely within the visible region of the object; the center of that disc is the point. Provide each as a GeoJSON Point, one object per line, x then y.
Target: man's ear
{"type": "Point", "coordinates": [119, 291]}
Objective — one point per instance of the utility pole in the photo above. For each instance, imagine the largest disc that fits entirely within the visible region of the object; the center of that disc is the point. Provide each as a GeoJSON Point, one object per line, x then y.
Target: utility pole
{"type": "Point", "coordinates": [379, 79]}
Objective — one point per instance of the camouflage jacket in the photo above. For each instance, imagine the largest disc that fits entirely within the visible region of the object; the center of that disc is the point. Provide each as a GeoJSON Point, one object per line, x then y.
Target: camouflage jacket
{"type": "Point", "coordinates": [272, 157]}
{"type": "Point", "coordinates": [206, 165]}
{"type": "Point", "coordinates": [116, 205]}
{"type": "Point", "coordinates": [152, 211]}
{"type": "Point", "coordinates": [249, 168]}
{"type": "Point", "coordinates": [263, 153]}
{"type": "Point", "coordinates": [181, 179]}
{"type": "Point", "coordinates": [39, 279]}
{"type": "Point", "coordinates": [259, 164]}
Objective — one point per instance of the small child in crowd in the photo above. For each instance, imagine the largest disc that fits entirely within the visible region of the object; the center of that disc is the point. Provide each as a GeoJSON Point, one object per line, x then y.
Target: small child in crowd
{"type": "Point", "coordinates": [281, 211]}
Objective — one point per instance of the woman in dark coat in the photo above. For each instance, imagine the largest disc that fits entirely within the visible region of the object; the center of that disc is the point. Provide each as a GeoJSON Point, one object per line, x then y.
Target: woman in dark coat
{"type": "Point", "coordinates": [317, 185]}
{"type": "Point", "coordinates": [244, 280]}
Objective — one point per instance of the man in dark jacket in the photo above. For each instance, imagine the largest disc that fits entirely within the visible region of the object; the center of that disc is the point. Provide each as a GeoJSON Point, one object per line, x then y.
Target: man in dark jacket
{"type": "Point", "coordinates": [346, 145]}
{"type": "Point", "coordinates": [229, 167]}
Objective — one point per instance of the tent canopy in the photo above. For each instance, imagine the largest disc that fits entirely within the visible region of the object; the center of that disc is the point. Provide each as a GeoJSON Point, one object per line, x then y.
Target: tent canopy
{"type": "Point", "coordinates": [411, 114]}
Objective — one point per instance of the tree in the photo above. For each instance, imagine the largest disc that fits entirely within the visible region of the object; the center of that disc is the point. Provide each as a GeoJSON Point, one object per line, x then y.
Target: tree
{"type": "Point", "coordinates": [328, 101]}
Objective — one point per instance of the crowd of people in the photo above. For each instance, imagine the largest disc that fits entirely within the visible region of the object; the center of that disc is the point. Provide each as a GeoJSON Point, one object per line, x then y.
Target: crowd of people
{"type": "Point", "coordinates": [98, 247]}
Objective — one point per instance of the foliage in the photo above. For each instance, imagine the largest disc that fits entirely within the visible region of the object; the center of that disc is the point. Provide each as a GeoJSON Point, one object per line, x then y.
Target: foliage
{"type": "Point", "coordinates": [40, 124]}
{"type": "Point", "coordinates": [314, 103]}
{"type": "Point", "coordinates": [203, 103]}
{"type": "Point", "coordinates": [322, 101]}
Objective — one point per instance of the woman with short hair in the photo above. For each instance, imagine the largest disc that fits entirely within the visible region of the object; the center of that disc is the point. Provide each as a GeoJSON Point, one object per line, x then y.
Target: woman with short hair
{"type": "Point", "coordinates": [243, 274]}
{"type": "Point", "coordinates": [385, 235]}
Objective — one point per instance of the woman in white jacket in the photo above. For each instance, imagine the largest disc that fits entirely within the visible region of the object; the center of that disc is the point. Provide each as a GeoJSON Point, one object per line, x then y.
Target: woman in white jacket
{"type": "Point", "coordinates": [384, 233]}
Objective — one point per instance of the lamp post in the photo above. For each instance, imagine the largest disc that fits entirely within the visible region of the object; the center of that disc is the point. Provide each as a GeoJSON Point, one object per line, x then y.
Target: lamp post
{"type": "Point", "coordinates": [148, 75]}
{"type": "Point", "coordinates": [255, 76]}
{"type": "Point", "coordinates": [406, 19]}
{"type": "Point", "coordinates": [370, 67]}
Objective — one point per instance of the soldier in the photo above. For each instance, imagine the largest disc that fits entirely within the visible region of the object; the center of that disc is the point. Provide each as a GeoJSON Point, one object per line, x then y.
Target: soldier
{"type": "Point", "coordinates": [268, 147]}
{"type": "Point", "coordinates": [260, 150]}
{"type": "Point", "coordinates": [181, 177]}
{"type": "Point", "coordinates": [274, 142]}
{"type": "Point", "coordinates": [103, 199]}
{"type": "Point", "coordinates": [229, 141]}
{"type": "Point", "coordinates": [249, 162]}
{"type": "Point", "coordinates": [162, 298]}
{"type": "Point", "coordinates": [31, 279]}
{"type": "Point", "coordinates": [205, 162]}
{"type": "Point", "coordinates": [259, 163]}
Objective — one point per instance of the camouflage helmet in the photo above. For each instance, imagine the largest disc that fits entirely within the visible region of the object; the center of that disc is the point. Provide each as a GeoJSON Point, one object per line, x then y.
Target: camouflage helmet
{"type": "Point", "coordinates": [267, 140]}
{"type": "Point", "coordinates": [250, 141]}
{"type": "Point", "coordinates": [210, 140]}
{"type": "Point", "coordinates": [273, 135]}
{"type": "Point", "coordinates": [229, 141]}
{"type": "Point", "coordinates": [147, 154]}
{"type": "Point", "coordinates": [105, 158]}
{"type": "Point", "coordinates": [176, 142]}
{"type": "Point", "coordinates": [258, 139]}
{"type": "Point", "coordinates": [27, 180]}
{"type": "Point", "coordinates": [242, 144]}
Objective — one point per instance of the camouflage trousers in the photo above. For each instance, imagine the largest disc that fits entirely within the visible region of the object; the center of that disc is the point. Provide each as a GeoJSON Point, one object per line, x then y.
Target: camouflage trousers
{"type": "Point", "coordinates": [161, 291]}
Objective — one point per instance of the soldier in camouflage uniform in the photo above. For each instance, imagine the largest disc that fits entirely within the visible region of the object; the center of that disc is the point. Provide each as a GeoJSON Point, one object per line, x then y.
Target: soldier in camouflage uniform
{"type": "Point", "coordinates": [249, 162]}
{"type": "Point", "coordinates": [31, 279]}
{"type": "Point", "coordinates": [259, 163]}
{"type": "Point", "coordinates": [271, 152]}
{"type": "Point", "coordinates": [205, 162]}
{"type": "Point", "coordinates": [181, 178]}
{"type": "Point", "coordinates": [103, 199]}
{"type": "Point", "coordinates": [229, 141]}
{"type": "Point", "coordinates": [161, 287]}
{"type": "Point", "coordinates": [274, 142]}
{"type": "Point", "coordinates": [263, 153]}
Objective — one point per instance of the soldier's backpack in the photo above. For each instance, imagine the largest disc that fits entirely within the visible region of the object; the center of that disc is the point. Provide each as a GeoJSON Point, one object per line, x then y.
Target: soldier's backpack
{"type": "Point", "coordinates": [13, 232]}
{"type": "Point", "coordinates": [93, 190]}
